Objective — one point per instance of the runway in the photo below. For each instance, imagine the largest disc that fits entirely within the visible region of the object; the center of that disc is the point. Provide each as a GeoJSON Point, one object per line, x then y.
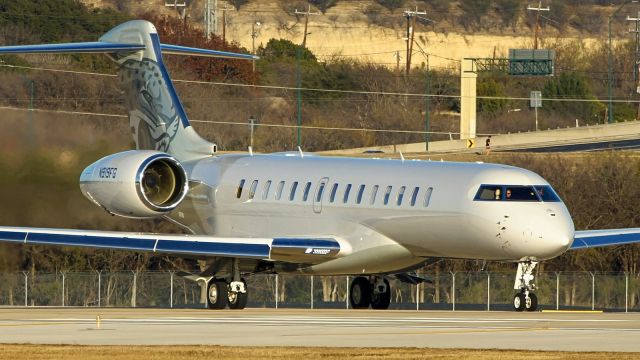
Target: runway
{"type": "Point", "coordinates": [334, 328]}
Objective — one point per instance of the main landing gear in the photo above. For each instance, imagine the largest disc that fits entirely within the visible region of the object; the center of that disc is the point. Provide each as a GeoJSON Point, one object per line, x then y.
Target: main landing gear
{"type": "Point", "coordinates": [374, 291]}
{"type": "Point", "coordinates": [233, 292]}
{"type": "Point", "coordinates": [525, 299]}
{"type": "Point", "coordinates": [220, 294]}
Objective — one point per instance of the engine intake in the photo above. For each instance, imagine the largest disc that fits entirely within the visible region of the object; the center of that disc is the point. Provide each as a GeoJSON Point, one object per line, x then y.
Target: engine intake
{"type": "Point", "coordinates": [136, 183]}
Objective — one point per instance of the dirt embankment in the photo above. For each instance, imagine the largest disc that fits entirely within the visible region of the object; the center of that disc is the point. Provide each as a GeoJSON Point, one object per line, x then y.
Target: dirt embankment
{"type": "Point", "coordinates": [346, 31]}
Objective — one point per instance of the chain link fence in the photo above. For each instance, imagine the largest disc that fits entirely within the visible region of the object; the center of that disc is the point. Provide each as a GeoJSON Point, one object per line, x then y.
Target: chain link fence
{"type": "Point", "coordinates": [448, 291]}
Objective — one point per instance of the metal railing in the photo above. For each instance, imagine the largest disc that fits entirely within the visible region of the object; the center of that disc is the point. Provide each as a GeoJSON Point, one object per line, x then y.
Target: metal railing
{"type": "Point", "coordinates": [449, 291]}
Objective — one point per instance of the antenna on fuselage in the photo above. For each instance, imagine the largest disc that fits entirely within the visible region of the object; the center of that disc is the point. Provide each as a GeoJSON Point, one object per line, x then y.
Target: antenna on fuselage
{"type": "Point", "coordinates": [250, 150]}
{"type": "Point", "coordinates": [300, 151]}
{"type": "Point", "coordinates": [401, 156]}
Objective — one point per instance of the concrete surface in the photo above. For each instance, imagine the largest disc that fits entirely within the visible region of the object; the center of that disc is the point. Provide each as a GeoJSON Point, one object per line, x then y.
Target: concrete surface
{"type": "Point", "coordinates": [341, 328]}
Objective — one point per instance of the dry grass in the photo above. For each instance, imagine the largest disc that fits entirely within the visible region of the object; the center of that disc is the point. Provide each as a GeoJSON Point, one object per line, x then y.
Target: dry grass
{"type": "Point", "coordinates": [73, 352]}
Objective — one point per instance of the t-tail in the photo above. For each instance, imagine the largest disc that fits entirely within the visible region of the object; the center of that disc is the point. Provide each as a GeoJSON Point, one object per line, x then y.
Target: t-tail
{"type": "Point", "coordinates": [157, 117]}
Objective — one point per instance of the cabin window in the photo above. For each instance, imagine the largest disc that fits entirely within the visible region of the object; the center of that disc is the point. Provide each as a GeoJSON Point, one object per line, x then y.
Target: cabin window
{"type": "Point", "coordinates": [240, 187]}
{"type": "Point", "coordinates": [345, 198]}
{"type": "Point", "coordinates": [307, 188]}
{"type": "Point", "coordinates": [265, 192]}
{"type": "Point", "coordinates": [279, 190]}
{"type": "Point", "coordinates": [320, 192]}
{"type": "Point", "coordinates": [360, 192]}
{"type": "Point", "coordinates": [427, 196]}
{"type": "Point", "coordinates": [414, 196]}
{"type": "Point", "coordinates": [334, 190]}
{"type": "Point", "coordinates": [292, 195]}
{"type": "Point", "coordinates": [387, 194]}
{"type": "Point", "coordinates": [400, 195]}
{"type": "Point", "coordinates": [252, 189]}
{"type": "Point", "coordinates": [374, 192]}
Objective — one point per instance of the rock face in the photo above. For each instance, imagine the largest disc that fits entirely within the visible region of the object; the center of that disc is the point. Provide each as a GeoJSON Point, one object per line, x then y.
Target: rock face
{"type": "Point", "coordinates": [349, 30]}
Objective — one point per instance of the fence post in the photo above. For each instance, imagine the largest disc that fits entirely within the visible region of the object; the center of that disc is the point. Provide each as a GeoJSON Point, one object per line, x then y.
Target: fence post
{"type": "Point", "coordinates": [63, 278]}
{"type": "Point", "coordinates": [171, 290]}
{"type": "Point", "coordinates": [593, 291]}
{"type": "Point", "coordinates": [417, 296]}
{"type": "Point", "coordinates": [488, 291]}
{"type": "Point", "coordinates": [276, 291]}
{"type": "Point", "coordinates": [99, 287]}
{"type": "Point", "coordinates": [348, 289]}
{"type": "Point", "coordinates": [626, 292]}
{"type": "Point", "coordinates": [453, 290]}
{"type": "Point", "coordinates": [26, 288]}
{"type": "Point", "coordinates": [557, 291]}
{"type": "Point", "coordinates": [311, 291]}
{"type": "Point", "coordinates": [134, 298]}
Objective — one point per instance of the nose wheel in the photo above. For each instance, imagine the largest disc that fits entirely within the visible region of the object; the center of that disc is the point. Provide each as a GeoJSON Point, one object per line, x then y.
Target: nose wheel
{"type": "Point", "coordinates": [525, 299]}
{"type": "Point", "coordinates": [522, 302]}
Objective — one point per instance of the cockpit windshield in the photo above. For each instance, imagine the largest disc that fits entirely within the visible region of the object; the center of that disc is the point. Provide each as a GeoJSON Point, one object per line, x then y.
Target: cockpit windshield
{"type": "Point", "coordinates": [520, 193]}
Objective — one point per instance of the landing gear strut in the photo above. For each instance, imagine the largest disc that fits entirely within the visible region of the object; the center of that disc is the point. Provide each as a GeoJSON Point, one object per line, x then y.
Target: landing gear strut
{"type": "Point", "coordinates": [525, 299]}
{"type": "Point", "coordinates": [374, 291]}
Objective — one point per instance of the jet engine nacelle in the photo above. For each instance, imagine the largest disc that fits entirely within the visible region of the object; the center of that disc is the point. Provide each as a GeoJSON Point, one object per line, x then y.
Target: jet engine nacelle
{"type": "Point", "coordinates": [136, 183]}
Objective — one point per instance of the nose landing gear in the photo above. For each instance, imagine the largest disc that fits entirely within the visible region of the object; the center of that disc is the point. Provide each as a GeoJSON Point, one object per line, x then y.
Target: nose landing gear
{"type": "Point", "coordinates": [525, 299]}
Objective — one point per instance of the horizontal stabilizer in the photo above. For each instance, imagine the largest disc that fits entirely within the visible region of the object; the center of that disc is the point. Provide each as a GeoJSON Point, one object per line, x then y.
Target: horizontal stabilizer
{"type": "Point", "coordinates": [98, 47]}
{"type": "Point", "coordinates": [599, 238]}
{"type": "Point", "coordinates": [183, 50]}
{"type": "Point", "coordinates": [81, 47]}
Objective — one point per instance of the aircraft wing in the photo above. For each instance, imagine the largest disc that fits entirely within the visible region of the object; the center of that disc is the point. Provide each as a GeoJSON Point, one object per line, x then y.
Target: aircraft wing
{"type": "Point", "coordinates": [313, 250]}
{"type": "Point", "coordinates": [598, 238]}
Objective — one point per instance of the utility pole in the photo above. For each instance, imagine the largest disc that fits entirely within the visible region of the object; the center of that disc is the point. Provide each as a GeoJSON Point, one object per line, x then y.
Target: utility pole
{"type": "Point", "coordinates": [306, 23]}
{"type": "Point", "coordinates": [636, 67]}
{"type": "Point", "coordinates": [427, 109]}
{"type": "Point", "coordinates": [537, 10]}
{"type": "Point", "coordinates": [210, 17]}
{"type": "Point", "coordinates": [411, 15]}
{"type": "Point", "coordinates": [254, 35]}
{"type": "Point", "coordinates": [610, 72]}
{"type": "Point", "coordinates": [224, 21]}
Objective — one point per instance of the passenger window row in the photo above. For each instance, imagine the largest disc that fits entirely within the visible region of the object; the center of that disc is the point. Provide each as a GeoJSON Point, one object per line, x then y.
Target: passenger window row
{"type": "Point", "coordinates": [398, 201]}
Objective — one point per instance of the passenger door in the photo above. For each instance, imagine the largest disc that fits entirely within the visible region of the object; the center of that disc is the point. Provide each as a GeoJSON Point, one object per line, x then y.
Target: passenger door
{"type": "Point", "coordinates": [319, 195]}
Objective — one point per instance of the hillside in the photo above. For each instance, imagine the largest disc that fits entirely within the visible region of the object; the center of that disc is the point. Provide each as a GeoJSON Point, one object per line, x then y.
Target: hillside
{"type": "Point", "coordinates": [374, 30]}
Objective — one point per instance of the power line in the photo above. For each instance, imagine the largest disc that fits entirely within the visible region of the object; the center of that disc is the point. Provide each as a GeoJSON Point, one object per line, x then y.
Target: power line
{"type": "Point", "coordinates": [362, 92]}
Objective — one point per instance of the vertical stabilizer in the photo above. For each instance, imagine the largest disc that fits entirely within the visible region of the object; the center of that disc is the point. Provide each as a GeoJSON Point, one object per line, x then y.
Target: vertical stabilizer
{"type": "Point", "coordinates": [157, 117]}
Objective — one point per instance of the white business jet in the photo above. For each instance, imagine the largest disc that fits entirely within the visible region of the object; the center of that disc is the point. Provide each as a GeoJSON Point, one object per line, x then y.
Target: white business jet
{"type": "Point", "coordinates": [300, 213]}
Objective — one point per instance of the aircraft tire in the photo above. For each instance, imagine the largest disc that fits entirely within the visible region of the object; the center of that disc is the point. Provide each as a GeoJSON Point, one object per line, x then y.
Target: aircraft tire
{"type": "Point", "coordinates": [381, 301]}
{"type": "Point", "coordinates": [360, 293]}
{"type": "Point", "coordinates": [519, 302]}
{"type": "Point", "coordinates": [532, 303]}
{"type": "Point", "coordinates": [238, 300]}
{"type": "Point", "coordinates": [217, 294]}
